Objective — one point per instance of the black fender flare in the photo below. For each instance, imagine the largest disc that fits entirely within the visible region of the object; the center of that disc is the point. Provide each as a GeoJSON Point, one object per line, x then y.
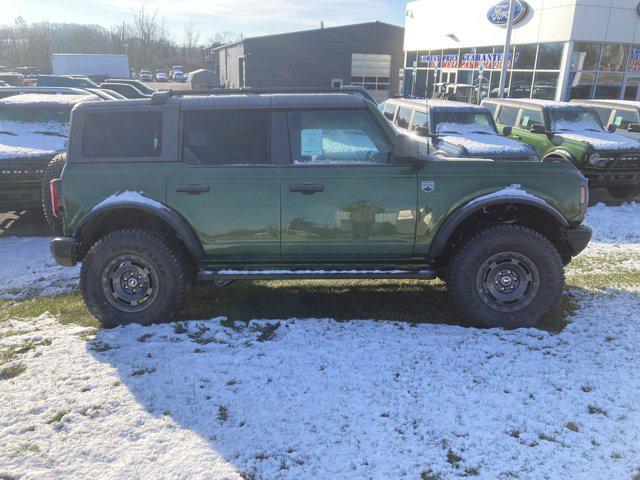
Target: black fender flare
{"type": "Point", "coordinates": [562, 154]}
{"type": "Point", "coordinates": [455, 219]}
{"type": "Point", "coordinates": [182, 228]}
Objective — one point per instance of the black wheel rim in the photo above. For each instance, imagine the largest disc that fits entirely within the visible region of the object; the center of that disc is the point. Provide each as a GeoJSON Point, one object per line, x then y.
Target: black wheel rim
{"type": "Point", "coordinates": [508, 282]}
{"type": "Point", "coordinates": [130, 283]}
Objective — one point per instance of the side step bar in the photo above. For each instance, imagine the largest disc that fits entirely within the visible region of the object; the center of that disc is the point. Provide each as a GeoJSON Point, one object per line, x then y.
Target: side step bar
{"type": "Point", "coordinates": [217, 275]}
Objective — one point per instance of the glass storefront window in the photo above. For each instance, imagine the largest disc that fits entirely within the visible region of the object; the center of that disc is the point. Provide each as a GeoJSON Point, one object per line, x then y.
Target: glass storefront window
{"type": "Point", "coordinates": [582, 84]}
{"type": "Point", "coordinates": [520, 85]}
{"type": "Point", "coordinates": [632, 89]}
{"type": "Point", "coordinates": [410, 58]}
{"type": "Point", "coordinates": [545, 85]}
{"type": "Point", "coordinates": [614, 58]}
{"type": "Point", "coordinates": [525, 57]}
{"type": "Point", "coordinates": [550, 56]}
{"type": "Point", "coordinates": [585, 56]}
{"type": "Point", "coordinates": [609, 85]}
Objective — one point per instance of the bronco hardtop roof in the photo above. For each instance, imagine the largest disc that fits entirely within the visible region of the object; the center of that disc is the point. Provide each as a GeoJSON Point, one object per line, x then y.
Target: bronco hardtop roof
{"type": "Point", "coordinates": [613, 103]}
{"type": "Point", "coordinates": [437, 104]}
{"type": "Point", "coordinates": [549, 104]}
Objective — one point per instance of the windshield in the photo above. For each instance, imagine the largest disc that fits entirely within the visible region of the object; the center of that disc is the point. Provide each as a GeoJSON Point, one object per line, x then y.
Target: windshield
{"type": "Point", "coordinates": [459, 121]}
{"type": "Point", "coordinates": [574, 120]}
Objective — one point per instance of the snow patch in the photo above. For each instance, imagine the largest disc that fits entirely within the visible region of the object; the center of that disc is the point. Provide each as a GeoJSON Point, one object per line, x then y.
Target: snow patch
{"type": "Point", "coordinates": [510, 191]}
{"type": "Point", "coordinates": [28, 140]}
{"type": "Point", "coordinates": [130, 196]}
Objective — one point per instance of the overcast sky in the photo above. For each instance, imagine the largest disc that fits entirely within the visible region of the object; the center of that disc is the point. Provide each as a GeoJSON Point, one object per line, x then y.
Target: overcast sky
{"type": "Point", "coordinates": [251, 17]}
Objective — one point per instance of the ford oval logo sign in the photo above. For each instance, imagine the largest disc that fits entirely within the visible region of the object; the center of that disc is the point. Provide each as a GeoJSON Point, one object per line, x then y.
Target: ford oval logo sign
{"type": "Point", "coordinates": [499, 13]}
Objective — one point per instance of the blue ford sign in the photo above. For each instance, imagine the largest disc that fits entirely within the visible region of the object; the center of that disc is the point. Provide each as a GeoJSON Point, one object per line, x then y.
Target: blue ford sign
{"type": "Point", "coordinates": [499, 13]}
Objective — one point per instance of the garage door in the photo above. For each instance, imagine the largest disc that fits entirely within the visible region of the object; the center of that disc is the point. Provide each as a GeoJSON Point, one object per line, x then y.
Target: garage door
{"type": "Point", "coordinates": [372, 71]}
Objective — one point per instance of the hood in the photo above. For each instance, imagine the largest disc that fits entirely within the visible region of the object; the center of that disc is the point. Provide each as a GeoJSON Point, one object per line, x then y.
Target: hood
{"type": "Point", "coordinates": [478, 144]}
{"type": "Point", "coordinates": [603, 140]}
{"type": "Point", "coordinates": [30, 140]}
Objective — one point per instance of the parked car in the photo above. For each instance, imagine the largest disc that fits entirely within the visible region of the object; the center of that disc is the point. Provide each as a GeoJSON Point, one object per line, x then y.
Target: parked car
{"type": "Point", "coordinates": [124, 89]}
{"type": "Point", "coordinates": [179, 77]}
{"type": "Point", "coordinates": [141, 86]}
{"type": "Point", "coordinates": [64, 81]}
{"type": "Point", "coordinates": [453, 129]}
{"type": "Point", "coordinates": [105, 94]}
{"type": "Point", "coordinates": [624, 114]}
{"type": "Point", "coordinates": [574, 133]}
{"type": "Point", "coordinates": [33, 131]}
{"type": "Point", "coordinates": [277, 186]}
{"type": "Point", "coordinates": [176, 68]}
{"type": "Point", "coordinates": [12, 78]}
{"type": "Point", "coordinates": [161, 77]}
{"type": "Point", "coordinates": [98, 78]}
{"type": "Point", "coordinates": [11, 91]}
{"type": "Point", "coordinates": [146, 75]}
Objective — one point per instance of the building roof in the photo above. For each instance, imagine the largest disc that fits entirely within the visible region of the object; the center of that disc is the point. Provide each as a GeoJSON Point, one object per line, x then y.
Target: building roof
{"type": "Point", "coordinates": [339, 27]}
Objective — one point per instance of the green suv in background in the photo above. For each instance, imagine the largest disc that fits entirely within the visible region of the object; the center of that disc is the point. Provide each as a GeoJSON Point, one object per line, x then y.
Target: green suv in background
{"type": "Point", "coordinates": [574, 132]}
{"type": "Point", "coordinates": [261, 185]}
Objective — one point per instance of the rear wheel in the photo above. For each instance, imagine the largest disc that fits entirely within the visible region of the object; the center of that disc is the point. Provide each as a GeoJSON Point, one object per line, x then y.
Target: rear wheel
{"type": "Point", "coordinates": [627, 191]}
{"type": "Point", "coordinates": [53, 171]}
{"type": "Point", "coordinates": [506, 276]}
{"type": "Point", "coordinates": [134, 276]}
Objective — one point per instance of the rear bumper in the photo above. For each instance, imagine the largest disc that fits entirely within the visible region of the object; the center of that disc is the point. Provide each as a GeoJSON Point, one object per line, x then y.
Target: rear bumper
{"type": "Point", "coordinates": [578, 238]}
{"type": "Point", "coordinates": [63, 251]}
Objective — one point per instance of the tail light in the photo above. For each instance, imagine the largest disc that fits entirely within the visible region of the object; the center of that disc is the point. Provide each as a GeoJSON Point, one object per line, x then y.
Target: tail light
{"type": "Point", "coordinates": [56, 197]}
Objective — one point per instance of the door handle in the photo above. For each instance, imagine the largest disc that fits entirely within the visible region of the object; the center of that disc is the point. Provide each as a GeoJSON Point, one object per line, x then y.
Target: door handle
{"type": "Point", "coordinates": [306, 188]}
{"type": "Point", "coordinates": [517, 137]}
{"type": "Point", "coordinates": [192, 189]}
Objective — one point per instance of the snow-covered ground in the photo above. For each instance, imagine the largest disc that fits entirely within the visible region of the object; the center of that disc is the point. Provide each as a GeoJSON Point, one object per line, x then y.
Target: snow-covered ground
{"type": "Point", "coordinates": [316, 398]}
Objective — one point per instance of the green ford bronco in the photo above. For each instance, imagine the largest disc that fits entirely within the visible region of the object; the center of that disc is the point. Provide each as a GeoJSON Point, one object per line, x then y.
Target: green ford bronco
{"type": "Point", "coordinates": [246, 184]}
{"type": "Point", "coordinates": [574, 133]}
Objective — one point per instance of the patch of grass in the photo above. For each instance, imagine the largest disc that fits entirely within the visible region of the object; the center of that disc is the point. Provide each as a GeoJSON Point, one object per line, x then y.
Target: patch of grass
{"type": "Point", "coordinates": [471, 472]}
{"type": "Point", "coordinates": [515, 433]}
{"type": "Point", "coordinates": [572, 426]}
{"type": "Point", "coordinates": [593, 410]}
{"type": "Point", "coordinates": [68, 308]}
{"type": "Point", "coordinates": [145, 337]}
{"type": "Point", "coordinates": [548, 438]}
{"type": "Point", "coordinates": [453, 458]}
{"type": "Point", "coordinates": [58, 416]}
{"type": "Point", "coordinates": [246, 476]}
{"type": "Point", "coordinates": [142, 371]}
{"type": "Point", "coordinates": [28, 448]}
{"type": "Point", "coordinates": [267, 332]}
{"type": "Point", "coordinates": [428, 474]}
{"type": "Point", "coordinates": [223, 413]}
{"type": "Point", "coordinates": [12, 371]}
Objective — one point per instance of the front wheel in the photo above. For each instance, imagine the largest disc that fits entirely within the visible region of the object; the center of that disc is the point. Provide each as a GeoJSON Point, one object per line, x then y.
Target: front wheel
{"type": "Point", "coordinates": [134, 276]}
{"type": "Point", "coordinates": [624, 192]}
{"type": "Point", "coordinates": [506, 276]}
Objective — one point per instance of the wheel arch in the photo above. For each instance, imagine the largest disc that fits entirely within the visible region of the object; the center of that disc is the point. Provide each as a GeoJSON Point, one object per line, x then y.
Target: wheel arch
{"type": "Point", "coordinates": [563, 154]}
{"type": "Point", "coordinates": [531, 212]}
{"type": "Point", "coordinates": [131, 214]}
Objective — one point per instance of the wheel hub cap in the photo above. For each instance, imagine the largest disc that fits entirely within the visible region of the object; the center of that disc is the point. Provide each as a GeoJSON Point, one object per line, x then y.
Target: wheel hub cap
{"type": "Point", "coordinates": [130, 283]}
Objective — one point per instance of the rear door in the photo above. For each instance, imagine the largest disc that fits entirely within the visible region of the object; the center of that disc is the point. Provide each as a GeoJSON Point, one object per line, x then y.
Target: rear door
{"type": "Point", "coordinates": [225, 184]}
{"type": "Point", "coordinates": [342, 199]}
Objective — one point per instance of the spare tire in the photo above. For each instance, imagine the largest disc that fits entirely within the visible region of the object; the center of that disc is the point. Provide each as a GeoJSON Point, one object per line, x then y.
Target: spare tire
{"type": "Point", "coordinates": [53, 171]}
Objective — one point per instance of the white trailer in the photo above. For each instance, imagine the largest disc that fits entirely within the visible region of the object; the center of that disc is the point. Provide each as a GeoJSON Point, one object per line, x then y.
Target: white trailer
{"type": "Point", "coordinates": [114, 66]}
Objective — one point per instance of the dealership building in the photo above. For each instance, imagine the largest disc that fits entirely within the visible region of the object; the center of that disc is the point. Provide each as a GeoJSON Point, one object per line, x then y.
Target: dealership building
{"type": "Point", "coordinates": [366, 54]}
{"type": "Point", "coordinates": [561, 49]}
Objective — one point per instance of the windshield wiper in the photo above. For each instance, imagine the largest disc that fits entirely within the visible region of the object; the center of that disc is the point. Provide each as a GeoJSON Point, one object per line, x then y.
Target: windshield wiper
{"type": "Point", "coordinates": [4, 132]}
{"type": "Point", "coordinates": [51, 134]}
{"type": "Point", "coordinates": [481, 132]}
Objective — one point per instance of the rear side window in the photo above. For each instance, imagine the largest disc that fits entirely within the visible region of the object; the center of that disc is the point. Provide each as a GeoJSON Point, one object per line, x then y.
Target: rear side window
{"type": "Point", "coordinates": [231, 137]}
{"type": "Point", "coordinates": [122, 134]}
{"type": "Point", "coordinates": [420, 119]}
{"type": "Point", "coordinates": [403, 117]}
{"type": "Point", "coordinates": [623, 118]}
{"type": "Point", "coordinates": [334, 137]}
{"type": "Point", "coordinates": [389, 110]}
{"type": "Point", "coordinates": [508, 115]}
{"type": "Point", "coordinates": [530, 117]}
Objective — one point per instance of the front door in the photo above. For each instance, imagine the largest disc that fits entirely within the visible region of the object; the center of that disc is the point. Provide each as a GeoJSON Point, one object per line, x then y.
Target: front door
{"type": "Point", "coordinates": [342, 199]}
{"type": "Point", "coordinates": [632, 88]}
{"type": "Point", "coordinates": [225, 186]}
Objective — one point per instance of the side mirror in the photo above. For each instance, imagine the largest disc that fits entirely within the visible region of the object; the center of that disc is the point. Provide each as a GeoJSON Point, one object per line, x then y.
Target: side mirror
{"type": "Point", "coordinates": [409, 150]}
{"type": "Point", "coordinates": [538, 129]}
{"type": "Point", "coordinates": [634, 128]}
{"type": "Point", "coordinates": [612, 128]}
{"type": "Point", "coordinates": [421, 131]}
{"type": "Point", "coordinates": [507, 131]}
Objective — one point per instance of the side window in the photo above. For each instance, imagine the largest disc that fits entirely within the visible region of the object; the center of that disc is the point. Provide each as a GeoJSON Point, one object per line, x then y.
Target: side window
{"type": "Point", "coordinates": [530, 117]}
{"type": "Point", "coordinates": [508, 115]}
{"type": "Point", "coordinates": [229, 137]}
{"type": "Point", "coordinates": [420, 119]}
{"type": "Point", "coordinates": [623, 118]}
{"type": "Point", "coordinates": [122, 134]}
{"type": "Point", "coordinates": [389, 110]}
{"type": "Point", "coordinates": [403, 117]}
{"type": "Point", "coordinates": [491, 107]}
{"type": "Point", "coordinates": [336, 137]}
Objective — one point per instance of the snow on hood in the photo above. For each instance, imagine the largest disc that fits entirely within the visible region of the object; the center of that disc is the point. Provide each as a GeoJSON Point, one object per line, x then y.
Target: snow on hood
{"type": "Point", "coordinates": [27, 140]}
{"type": "Point", "coordinates": [46, 98]}
{"type": "Point", "coordinates": [487, 142]}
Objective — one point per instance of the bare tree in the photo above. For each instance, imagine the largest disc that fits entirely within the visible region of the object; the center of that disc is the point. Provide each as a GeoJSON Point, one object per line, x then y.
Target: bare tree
{"type": "Point", "coordinates": [151, 32]}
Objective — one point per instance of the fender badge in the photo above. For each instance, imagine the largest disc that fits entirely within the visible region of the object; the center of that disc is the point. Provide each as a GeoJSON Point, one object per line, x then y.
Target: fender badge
{"type": "Point", "coordinates": [428, 186]}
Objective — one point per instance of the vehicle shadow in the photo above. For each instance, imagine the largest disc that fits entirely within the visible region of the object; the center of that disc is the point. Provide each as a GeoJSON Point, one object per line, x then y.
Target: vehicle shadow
{"type": "Point", "coordinates": [24, 223]}
{"type": "Point", "coordinates": [288, 398]}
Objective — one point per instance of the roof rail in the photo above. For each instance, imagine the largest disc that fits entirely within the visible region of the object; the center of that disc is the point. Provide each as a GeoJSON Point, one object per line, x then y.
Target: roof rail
{"type": "Point", "coordinates": [161, 97]}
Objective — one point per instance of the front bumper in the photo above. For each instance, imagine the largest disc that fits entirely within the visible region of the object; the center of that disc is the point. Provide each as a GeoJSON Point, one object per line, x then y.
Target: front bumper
{"type": "Point", "coordinates": [63, 251]}
{"type": "Point", "coordinates": [578, 238]}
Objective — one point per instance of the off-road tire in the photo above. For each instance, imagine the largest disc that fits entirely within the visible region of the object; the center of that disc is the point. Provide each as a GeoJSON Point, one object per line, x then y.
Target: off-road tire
{"type": "Point", "coordinates": [169, 265]}
{"type": "Point", "coordinates": [53, 171]}
{"type": "Point", "coordinates": [464, 276]}
{"type": "Point", "coordinates": [624, 192]}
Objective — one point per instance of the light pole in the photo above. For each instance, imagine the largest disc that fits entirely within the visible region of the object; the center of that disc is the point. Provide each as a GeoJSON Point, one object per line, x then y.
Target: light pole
{"type": "Point", "coordinates": [507, 47]}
